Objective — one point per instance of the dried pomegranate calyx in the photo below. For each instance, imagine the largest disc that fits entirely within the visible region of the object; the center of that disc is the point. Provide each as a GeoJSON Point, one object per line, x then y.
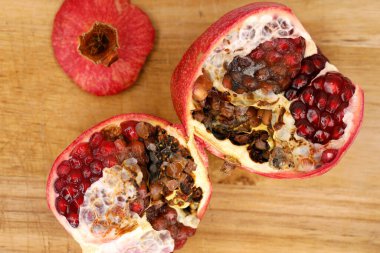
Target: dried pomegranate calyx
{"type": "Point", "coordinates": [100, 44]}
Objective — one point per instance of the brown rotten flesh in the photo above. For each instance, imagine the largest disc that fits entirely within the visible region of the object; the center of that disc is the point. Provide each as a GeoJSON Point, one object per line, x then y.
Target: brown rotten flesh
{"type": "Point", "coordinates": [125, 175]}
{"type": "Point", "coordinates": [273, 103]}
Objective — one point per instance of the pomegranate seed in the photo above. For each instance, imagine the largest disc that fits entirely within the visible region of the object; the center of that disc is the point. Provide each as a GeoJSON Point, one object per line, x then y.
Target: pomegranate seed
{"type": "Point", "coordinates": [298, 110]}
{"type": "Point", "coordinates": [137, 206]}
{"type": "Point", "coordinates": [96, 167]}
{"type": "Point", "coordinates": [84, 186]}
{"type": "Point", "coordinates": [188, 231]}
{"type": "Point", "coordinates": [59, 184]}
{"type": "Point", "coordinates": [106, 148]}
{"type": "Point", "coordinates": [339, 114]}
{"type": "Point", "coordinates": [300, 82]}
{"type": "Point", "coordinates": [94, 179]}
{"type": "Point", "coordinates": [74, 177]}
{"type": "Point", "coordinates": [257, 54]}
{"type": "Point", "coordinates": [321, 137]}
{"type": "Point", "coordinates": [333, 103]}
{"type": "Point", "coordinates": [120, 145]}
{"type": "Point", "coordinates": [73, 208]}
{"type": "Point", "coordinates": [273, 57]}
{"type": "Point", "coordinates": [333, 83]}
{"type": "Point", "coordinates": [86, 172]}
{"type": "Point", "coordinates": [179, 243]}
{"type": "Point", "coordinates": [347, 94]}
{"type": "Point", "coordinates": [63, 169]}
{"type": "Point", "coordinates": [307, 96]}
{"type": "Point", "coordinates": [291, 60]}
{"type": "Point", "coordinates": [305, 129]}
{"type": "Point", "coordinates": [268, 45]}
{"type": "Point", "coordinates": [282, 45]}
{"type": "Point", "coordinates": [291, 94]}
{"type": "Point", "coordinates": [326, 121]}
{"type": "Point", "coordinates": [321, 100]}
{"type": "Point", "coordinates": [129, 130]}
{"type": "Point", "coordinates": [337, 132]}
{"type": "Point", "coordinates": [69, 193]}
{"type": "Point", "coordinates": [88, 159]}
{"type": "Point", "coordinates": [81, 150]}
{"type": "Point", "coordinates": [61, 205]}
{"type": "Point", "coordinates": [96, 139]}
{"type": "Point", "coordinates": [318, 82]}
{"type": "Point", "coordinates": [75, 163]}
{"type": "Point", "coordinates": [159, 224]}
{"type": "Point", "coordinates": [329, 155]}
{"type": "Point", "coordinates": [319, 61]}
{"type": "Point", "coordinates": [73, 219]}
{"type": "Point", "coordinates": [138, 150]}
{"type": "Point", "coordinates": [313, 115]}
{"type": "Point", "coordinates": [171, 216]}
{"type": "Point", "coordinates": [78, 201]}
{"type": "Point", "coordinates": [173, 229]}
{"type": "Point", "coordinates": [110, 161]}
{"type": "Point", "coordinates": [307, 67]}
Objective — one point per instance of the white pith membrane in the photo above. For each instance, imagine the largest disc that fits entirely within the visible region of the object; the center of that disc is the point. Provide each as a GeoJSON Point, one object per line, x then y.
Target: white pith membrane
{"type": "Point", "coordinates": [303, 155]}
{"type": "Point", "coordinates": [108, 200]}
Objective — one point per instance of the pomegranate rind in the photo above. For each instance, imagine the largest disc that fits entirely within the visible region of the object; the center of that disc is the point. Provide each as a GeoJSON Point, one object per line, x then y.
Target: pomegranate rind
{"type": "Point", "coordinates": [176, 131]}
{"type": "Point", "coordinates": [135, 36]}
{"type": "Point", "coordinates": [190, 66]}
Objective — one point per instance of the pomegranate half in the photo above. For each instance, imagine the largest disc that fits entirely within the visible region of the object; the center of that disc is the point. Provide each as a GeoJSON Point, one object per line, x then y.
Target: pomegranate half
{"type": "Point", "coordinates": [102, 45]}
{"type": "Point", "coordinates": [258, 92]}
{"type": "Point", "coordinates": [132, 183]}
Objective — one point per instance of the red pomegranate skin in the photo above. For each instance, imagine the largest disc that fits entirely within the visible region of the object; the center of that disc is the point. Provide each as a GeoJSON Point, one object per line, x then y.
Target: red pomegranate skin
{"type": "Point", "coordinates": [50, 192]}
{"type": "Point", "coordinates": [135, 37]}
{"type": "Point", "coordinates": [189, 67]}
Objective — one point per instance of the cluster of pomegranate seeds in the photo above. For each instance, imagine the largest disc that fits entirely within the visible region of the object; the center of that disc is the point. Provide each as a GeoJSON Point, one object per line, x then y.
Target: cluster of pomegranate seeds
{"type": "Point", "coordinates": [320, 109]}
{"type": "Point", "coordinates": [272, 65]}
{"type": "Point", "coordinates": [167, 167]}
{"type": "Point", "coordinates": [310, 68]}
{"type": "Point", "coordinates": [165, 218]}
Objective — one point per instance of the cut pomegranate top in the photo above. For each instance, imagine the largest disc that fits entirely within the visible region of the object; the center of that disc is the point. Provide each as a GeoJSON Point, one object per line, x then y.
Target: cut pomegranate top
{"type": "Point", "coordinates": [264, 97]}
{"type": "Point", "coordinates": [129, 183]}
{"type": "Point", "coordinates": [102, 45]}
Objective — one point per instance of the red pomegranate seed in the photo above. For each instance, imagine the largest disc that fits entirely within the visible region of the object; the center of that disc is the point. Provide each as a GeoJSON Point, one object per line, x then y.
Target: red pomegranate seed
{"type": "Point", "coordinates": [298, 110]}
{"type": "Point", "coordinates": [96, 167]}
{"type": "Point", "coordinates": [257, 54]}
{"type": "Point", "coordinates": [173, 229]}
{"type": "Point", "coordinates": [307, 96]}
{"type": "Point", "coordinates": [61, 205]}
{"type": "Point", "coordinates": [326, 121]}
{"type": "Point", "coordinates": [300, 82]}
{"type": "Point", "coordinates": [88, 159]}
{"type": "Point", "coordinates": [75, 163]}
{"type": "Point", "coordinates": [171, 216]}
{"type": "Point", "coordinates": [283, 45]}
{"type": "Point", "coordinates": [273, 57]}
{"type": "Point", "coordinates": [291, 94]}
{"type": "Point", "coordinates": [319, 61]}
{"type": "Point", "coordinates": [84, 186]}
{"type": "Point", "coordinates": [307, 67]}
{"type": "Point", "coordinates": [291, 60]}
{"type": "Point", "coordinates": [63, 169]}
{"type": "Point", "coordinates": [159, 224]}
{"type": "Point", "coordinates": [96, 139]}
{"type": "Point", "coordinates": [59, 184]}
{"type": "Point", "coordinates": [179, 243]}
{"type": "Point", "coordinates": [329, 155]}
{"type": "Point", "coordinates": [137, 206]}
{"type": "Point", "coordinates": [120, 145]}
{"type": "Point", "coordinates": [321, 137]}
{"type": "Point", "coordinates": [321, 100]}
{"type": "Point", "coordinates": [337, 132]}
{"type": "Point", "coordinates": [73, 219]}
{"type": "Point", "coordinates": [333, 83]}
{"type": "Point", "coordinates": [78, 201]}
{"type": "Point", "coordinates": [138, 150]}
{"type": "Point", "coordinates": [305, 129]}
{"type": "Point", "coordinates": [333, 103]}
{"type": "Point", "coordinates": [129, 130]}
{"type": "Point", "coordinates": [339, 114]}
{"type": "Point", "coordinates": [74, 177]}
{"type": "Point", "coordinates": [188, 231]}
{"type": "Point", "coordinates": [69, 193]}
{"type": "Point", "coordinates": [81, 150]}
{"type": "Point", "coordinates": [313, 115]}
{"type": "Point", "coordinates": [110, 161]}
{"type": "Point", "coordinates": [73, 208]}
{"type": "Point", "coordinates": [318, 82]}
{"type": "Point", "coordinates": [86, 172]}
{"type": "Point", "coordinates": [347, 93]}
{"type": "Point", "coordinates": [105, 149]}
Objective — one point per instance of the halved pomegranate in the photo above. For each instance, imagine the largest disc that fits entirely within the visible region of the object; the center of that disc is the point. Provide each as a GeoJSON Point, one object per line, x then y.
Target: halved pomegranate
{"type": "Point", "coordinates": [257, 91]}
{"type": "Point", "coordinates": [133, 183]}
{"type": "Point", "coordinates": [102, 45]}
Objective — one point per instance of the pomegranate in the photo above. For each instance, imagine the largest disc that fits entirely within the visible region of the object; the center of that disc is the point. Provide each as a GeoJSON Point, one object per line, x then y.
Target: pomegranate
{"type": "Point", "coordinates": [102, 45]}
{"type": "Point", "coordinates": [256, 90]}
{"type": "Point", "coordinates": [133, 183]}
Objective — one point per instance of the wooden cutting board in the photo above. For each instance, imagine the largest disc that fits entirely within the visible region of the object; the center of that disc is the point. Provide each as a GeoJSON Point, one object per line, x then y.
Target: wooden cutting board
{"type": "Point", "coordinates": [41, 111]}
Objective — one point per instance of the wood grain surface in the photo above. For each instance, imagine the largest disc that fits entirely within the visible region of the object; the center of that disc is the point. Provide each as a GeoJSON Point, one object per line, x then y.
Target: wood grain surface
{"type": "Point", "coordinates": [41, 111]}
